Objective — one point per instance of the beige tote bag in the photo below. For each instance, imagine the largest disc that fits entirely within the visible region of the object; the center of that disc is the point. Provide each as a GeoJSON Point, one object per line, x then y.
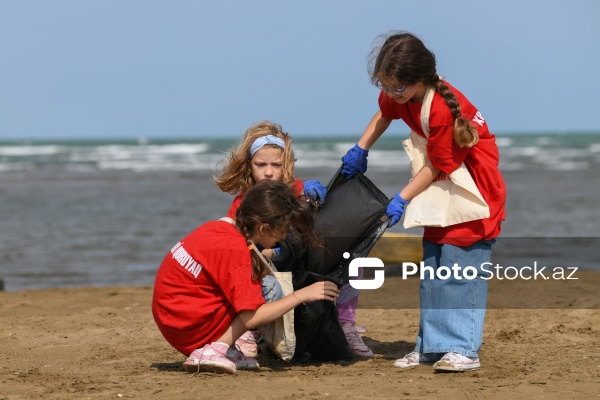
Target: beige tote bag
{"type": "Point", "coordinates": [444, 202]}
{"type": "Point", "coordinates": [279, 334]}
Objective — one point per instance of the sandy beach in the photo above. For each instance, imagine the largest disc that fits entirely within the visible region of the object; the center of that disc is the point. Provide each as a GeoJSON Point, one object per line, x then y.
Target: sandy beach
{"type": "Point", "coordinates": [101, 343]}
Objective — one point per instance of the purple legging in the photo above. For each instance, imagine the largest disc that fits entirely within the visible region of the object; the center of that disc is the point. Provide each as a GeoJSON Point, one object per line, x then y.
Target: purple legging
{"type": "Point", "coordinates": [347, 302]}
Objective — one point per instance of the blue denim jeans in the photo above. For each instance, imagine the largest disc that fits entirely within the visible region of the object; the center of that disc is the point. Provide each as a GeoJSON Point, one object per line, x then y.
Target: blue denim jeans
{"type": "Point", "coordinates": [271, 289]}
{"type": "Point", "coordinates": [453, 309]}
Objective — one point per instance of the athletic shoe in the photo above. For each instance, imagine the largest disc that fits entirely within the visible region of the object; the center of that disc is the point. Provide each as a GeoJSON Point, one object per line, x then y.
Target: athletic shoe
{"type": "Point", "coordinates": [247, 343]}
{"type": "Point", "coordinates": [455, 362]}
{"type": "Point", "coordinates": [359, 348]}
{"type": "Point", "coordinates": [211, 358]}
{"type": "Point", "coordinates": [361, 328]}
{"type": "Point", "coordinates": [240, 360]}
{"type": "Point", "coordinates": [412, 360]}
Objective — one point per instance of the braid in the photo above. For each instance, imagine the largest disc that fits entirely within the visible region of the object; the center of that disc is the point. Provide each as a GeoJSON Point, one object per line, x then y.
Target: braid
{"type": "Point", "coordinates": [465, 134]}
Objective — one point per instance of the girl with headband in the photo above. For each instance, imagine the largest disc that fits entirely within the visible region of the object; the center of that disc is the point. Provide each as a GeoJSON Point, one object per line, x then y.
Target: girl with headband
{"type": "Point", "coordinates": [265, 154]}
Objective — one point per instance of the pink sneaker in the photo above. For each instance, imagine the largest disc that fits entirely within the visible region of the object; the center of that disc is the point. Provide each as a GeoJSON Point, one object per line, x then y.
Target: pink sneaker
{"type": "Point", "coordinates": [240, 360]}
{"type": "Point", "coordinates": [247, 343]}
{"type": "Point", "coordinates": [211, 358]}
{"type": "Point", "coordinates": [359, 348]}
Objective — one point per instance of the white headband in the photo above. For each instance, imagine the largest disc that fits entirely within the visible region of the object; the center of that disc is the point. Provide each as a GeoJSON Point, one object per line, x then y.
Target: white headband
{"type": "Point", "coordinates": [264, 140]}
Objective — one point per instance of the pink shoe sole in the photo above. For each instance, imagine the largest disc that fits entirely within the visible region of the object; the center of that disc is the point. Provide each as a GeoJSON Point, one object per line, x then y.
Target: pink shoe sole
{"type": "Point", "coordinates": [209, 366]}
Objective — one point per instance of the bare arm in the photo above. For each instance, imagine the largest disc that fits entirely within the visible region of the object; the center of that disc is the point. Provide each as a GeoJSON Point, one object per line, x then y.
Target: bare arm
{"type": "Point", "coordinates": [374, 130]}
{"type": "Point", "coordinates": [271, 311]}
{"type": "Point", "coordinates": [423, 178]}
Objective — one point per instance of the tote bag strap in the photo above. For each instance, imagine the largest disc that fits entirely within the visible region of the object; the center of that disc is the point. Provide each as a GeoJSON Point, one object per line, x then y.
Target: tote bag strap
{"type": "Point", "coordinates": [426, 109]}
{"type": "Point", "coordinates": [262, 258]}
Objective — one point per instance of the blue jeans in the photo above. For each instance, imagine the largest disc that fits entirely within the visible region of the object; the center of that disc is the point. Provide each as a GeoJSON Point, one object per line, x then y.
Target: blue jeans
{"type": "Point", "coordinates": [271, 289]}
{"type": "Point", "coordinates": [453, 310]}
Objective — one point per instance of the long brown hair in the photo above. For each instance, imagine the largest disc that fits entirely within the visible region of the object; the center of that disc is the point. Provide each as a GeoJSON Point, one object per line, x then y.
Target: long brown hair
{"type": "Point", "coordinates": [273, 203]}
{"type": "Point", "coordinates": [236, 177]}
{"type": "Point", "coordinates": [404, 58]}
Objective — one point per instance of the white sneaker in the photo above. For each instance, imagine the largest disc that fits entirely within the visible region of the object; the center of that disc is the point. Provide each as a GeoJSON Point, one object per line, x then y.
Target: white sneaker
{"type": "Point", "coordinates": [455, 362]}
{"type": "Point", "coordinates": [412, 360]}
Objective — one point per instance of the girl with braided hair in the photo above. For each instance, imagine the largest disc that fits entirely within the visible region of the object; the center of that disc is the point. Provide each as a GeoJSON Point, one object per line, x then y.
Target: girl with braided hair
{"type": "Point", "coordinates": [213, 286]}
{"type": "Point", "coordinates": [452, 310]}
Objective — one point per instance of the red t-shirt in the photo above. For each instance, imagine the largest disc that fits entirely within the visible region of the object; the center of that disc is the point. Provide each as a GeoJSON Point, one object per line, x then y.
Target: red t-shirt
{"type": "Point", "coordinates": [202, 284]}
{"type": "Point", "coordinates": [298, 191]}
{"type": "Point", "coordinates": [481, 160]}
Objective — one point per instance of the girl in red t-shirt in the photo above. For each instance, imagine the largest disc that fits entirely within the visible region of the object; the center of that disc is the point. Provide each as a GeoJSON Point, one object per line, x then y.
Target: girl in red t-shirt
{"type": "Point", "coordinates": [265, 154]}
{"type": "Point", "coordinates": [207, 291]}
{"type": "Point", "coordinates": [452, 310]}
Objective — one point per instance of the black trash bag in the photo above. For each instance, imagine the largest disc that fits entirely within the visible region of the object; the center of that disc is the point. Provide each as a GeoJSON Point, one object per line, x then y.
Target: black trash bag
{"type": "Point", "coordinates": [317, 327]}
{"type": "Point", "coordinates": [351, 220]}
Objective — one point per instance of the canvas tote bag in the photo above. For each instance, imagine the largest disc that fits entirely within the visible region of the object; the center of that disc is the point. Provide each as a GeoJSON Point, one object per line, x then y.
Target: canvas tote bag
{"type": "Point", "coordinates": [279, 334]}
{"type": "Point", "coordinates": [451, 200]}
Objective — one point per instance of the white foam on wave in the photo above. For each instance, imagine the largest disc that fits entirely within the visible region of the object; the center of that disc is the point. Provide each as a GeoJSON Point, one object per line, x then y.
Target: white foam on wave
{"type": "Point", "coordinates": [153, 153]}
{"type": "Point", "coordinates": [595, 148]}
{"type": "Point", "coordinates": [179, 148]}
{"type": "Point", "coordinates": [155, 162]}
{"type": "Point", "coordinates": [503, 141]}
{"type": "Point", "coordinates": [23, 151]}
{"type": "Point", "coordinates": [569, 166]}
{"type": "Point", "coordinates": [317, 163]}
{"type": "Point", "coordinates": [343, 147]}
{"type": "Point", "coordinates": [525, 151]}
{"type": "Point", "coordinates": [511, 166]}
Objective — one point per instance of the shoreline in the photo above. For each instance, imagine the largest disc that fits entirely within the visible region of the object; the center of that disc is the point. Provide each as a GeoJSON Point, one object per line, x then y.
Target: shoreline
{"type": "Point", "coordinates": [99, 342]}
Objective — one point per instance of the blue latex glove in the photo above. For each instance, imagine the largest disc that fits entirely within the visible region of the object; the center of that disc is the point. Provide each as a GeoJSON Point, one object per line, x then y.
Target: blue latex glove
{"type": "Point", "coordinates": [395, 209]}
{"type": "Point", "coordinates": [355, 161]}
{"type": "Point", "coordinates": [315, 190]}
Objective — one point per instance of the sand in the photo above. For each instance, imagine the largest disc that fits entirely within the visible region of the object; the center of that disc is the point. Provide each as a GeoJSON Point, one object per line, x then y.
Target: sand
{"type": "Point", "coordinates": [101, 343]}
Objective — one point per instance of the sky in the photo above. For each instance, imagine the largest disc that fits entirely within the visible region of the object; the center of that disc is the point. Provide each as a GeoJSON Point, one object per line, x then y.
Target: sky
{"type": "Point", "coordinates": [114, 69]}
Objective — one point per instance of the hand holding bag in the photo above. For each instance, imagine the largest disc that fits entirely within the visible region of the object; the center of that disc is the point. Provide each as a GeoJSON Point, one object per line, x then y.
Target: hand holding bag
{"type": "Point", "coordinates": [450, 199]}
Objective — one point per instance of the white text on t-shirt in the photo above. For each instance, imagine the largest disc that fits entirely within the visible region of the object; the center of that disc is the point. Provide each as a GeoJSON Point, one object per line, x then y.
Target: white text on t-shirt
{"type": "Point", "coordinates": [185, 260]}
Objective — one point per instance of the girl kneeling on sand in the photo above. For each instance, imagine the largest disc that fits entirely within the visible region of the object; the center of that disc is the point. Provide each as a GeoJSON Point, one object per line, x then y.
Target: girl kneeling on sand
{"type": "Point", "coordinates": [212, 286]}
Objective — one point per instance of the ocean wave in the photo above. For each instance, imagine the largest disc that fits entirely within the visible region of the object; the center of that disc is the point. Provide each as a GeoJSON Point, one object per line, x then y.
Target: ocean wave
{"type": "Point", "coordinates": [559, 152]}
{"type": "Point", "coordinates": [28, 150]}
{"type": "Point", "coordinates": [504, 141]}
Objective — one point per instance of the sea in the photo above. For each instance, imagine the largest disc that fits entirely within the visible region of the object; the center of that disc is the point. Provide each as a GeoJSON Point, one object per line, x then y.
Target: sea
{"type": "Point", "coordinates": [106, 212]}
